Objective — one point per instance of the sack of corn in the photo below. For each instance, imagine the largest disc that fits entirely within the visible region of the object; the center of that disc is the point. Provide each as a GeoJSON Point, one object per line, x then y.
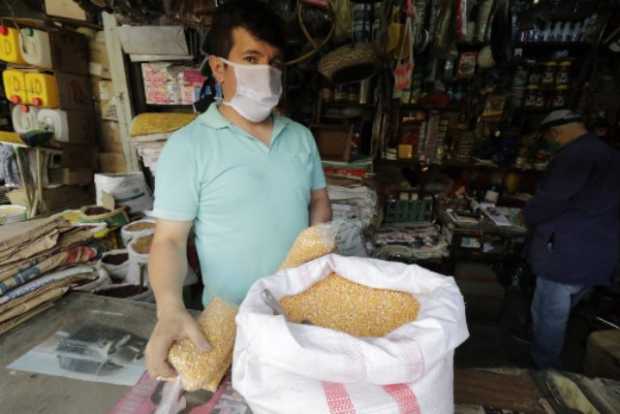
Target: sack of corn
{"type": "Point", "coordinates": [359, 335]}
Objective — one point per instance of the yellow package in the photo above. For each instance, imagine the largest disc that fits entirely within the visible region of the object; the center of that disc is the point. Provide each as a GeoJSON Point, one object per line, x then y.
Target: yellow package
{"type": "Point", "coordinates": [159, 123]}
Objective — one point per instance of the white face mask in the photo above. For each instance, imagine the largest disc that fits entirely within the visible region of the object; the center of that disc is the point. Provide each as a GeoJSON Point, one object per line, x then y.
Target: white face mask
{"type": "Point", "coordinates": [259, 88]}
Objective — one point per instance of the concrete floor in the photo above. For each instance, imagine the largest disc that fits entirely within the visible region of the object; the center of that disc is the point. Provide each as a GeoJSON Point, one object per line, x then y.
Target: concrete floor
{"type": "Point", "coordinates": [491, 343]}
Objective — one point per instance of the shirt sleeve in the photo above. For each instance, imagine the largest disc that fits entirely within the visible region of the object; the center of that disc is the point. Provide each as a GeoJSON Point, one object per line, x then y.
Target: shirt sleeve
{"type": "Point", "coordinates": [566, 178]}
{"type": "Point", "coordinates": [177, 186]}
{"type": "Point", "coordinates": [318, 175]}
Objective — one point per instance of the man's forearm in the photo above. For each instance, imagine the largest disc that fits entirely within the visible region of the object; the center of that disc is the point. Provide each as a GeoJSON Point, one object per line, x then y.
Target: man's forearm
{"type": "Point", "coordinates": [167, 271]}
{"type": "Point", "coordinates": [320, 212]}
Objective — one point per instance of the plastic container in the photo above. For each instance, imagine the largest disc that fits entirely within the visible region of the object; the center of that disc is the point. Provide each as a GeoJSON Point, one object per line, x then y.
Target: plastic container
{"type": "Point", "coordinates": [24, 118]}
{"type": "Point", "coordinates": [35, 47]}
{"type": "Point", "coordinates": [42, 90]}
{"type": "Point", "coordinates": [9, 45]}
{"type": "Point", "coordinates": [12, 214]}
{"type": "Point", "coordinates": [55, 120]}
{"type": "Point", "coordinates": [15, 86]}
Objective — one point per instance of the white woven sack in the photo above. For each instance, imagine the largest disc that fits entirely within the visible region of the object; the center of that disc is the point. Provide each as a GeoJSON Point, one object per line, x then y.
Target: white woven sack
{"type": "Point", "coordinates": [127, 236]}
{"type": "Point", "coordinates": [282, 367]}
{"type": "Point", "coordinates": [138, 273]}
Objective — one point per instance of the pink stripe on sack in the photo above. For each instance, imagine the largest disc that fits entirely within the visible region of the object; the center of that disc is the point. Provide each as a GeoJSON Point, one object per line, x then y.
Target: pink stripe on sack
{"type": "Point", "coordinates": [405, 398]}
{"type": "Point", "coordinates": [338, 399]}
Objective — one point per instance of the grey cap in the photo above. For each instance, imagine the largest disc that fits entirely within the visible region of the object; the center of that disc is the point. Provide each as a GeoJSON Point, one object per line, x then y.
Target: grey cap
{"type": "Point", "coordinates": [560, 117]}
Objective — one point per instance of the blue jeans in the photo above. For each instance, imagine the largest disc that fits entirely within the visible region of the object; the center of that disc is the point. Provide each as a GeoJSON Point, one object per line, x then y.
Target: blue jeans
{"type": "Point", "coordinates": [551, 308]}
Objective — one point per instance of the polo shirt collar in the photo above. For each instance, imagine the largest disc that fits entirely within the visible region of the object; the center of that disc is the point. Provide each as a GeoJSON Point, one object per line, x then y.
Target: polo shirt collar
{"type": "Point", "coordinates": [214, 119]}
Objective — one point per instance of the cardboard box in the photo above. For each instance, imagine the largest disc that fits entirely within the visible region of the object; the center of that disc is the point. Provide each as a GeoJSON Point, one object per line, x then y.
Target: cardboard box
{"type": "Point", "coordinates": [75, 156]}
{"type": "Point", "coordinates": [112, 162]}
{"type": "Point", "coordinates": [105, 103]}
{"type": "Point", "coordinates": [67, 176]}
{"type": "Point", "coordinates": [70, 52]}
{"type": "Point", "coordinates": [603, 354]}
{"type": "Point", "coordinates": [65, 8]}
{"type": "Point", "coordinates": [334, 141]}
{"type": "Point", "coordinates": [75, 92]}
{"type": "Point", "coordinates": [171, 84]}
{"type": "Point", "coordinates": [102, 89]}
{"type": "Point", "coordinates": [99, 64]}
{"type": "Point", "coordinates": [153, 40]}
{"type": "Point", "coordinates": [107, 110]}
{"type": "Point", "coordinates": [110, 137]}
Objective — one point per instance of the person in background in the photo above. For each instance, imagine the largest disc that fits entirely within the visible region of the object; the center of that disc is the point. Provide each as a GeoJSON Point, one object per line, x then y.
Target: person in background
{"type": "Point", "coordinates": [248, 180]}
{"type": "Point", "coordinates": [574, 220]}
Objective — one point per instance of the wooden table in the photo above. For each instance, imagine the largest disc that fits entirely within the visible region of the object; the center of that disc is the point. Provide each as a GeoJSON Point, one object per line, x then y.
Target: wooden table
{"type": "Point", "coordinates": [511, 240]}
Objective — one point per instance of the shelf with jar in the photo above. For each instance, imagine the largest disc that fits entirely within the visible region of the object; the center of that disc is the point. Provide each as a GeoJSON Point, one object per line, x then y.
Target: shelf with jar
{"type": "Point", "coordinates": [542, 86]}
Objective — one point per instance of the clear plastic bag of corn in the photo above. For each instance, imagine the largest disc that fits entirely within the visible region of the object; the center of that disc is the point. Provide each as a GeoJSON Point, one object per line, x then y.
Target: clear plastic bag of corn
{"type": "Point", "coordinates": [205, 370]}
{"type": "Point", "coordinates": [310, 244]}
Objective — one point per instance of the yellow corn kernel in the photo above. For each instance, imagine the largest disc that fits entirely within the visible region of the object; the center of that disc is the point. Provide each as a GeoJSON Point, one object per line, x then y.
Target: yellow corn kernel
{"type": "Point", "coordinates": [312, 243]}
{"type": "Point", "coordinates": [337, 303]}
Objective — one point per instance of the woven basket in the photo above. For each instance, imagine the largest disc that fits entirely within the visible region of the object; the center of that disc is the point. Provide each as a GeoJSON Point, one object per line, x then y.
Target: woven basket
{"type": "Point", "coordinates": [350, 63]}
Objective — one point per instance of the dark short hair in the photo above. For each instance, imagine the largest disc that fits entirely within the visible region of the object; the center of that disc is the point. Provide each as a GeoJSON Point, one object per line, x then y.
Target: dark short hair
{"type": "Point", "coordinates": [254, 16]}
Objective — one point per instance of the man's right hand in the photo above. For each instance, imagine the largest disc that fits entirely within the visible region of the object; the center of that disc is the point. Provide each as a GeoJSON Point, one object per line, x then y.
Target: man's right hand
{"type": "Point", "coordinates": [171, 326]}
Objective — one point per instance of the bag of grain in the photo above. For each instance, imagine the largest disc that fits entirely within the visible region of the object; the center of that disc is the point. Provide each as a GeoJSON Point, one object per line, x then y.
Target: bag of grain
{"type": "Point", "coordinates": [116, 263]}
{"type": "Point", "coordinates": [139, 250]}
{"type": "Point", "coordinates": [129, 190]}
{"type": "Point", "coordinates": [282, 367]}
{"type": "Point", "coordinates": [136, 229]}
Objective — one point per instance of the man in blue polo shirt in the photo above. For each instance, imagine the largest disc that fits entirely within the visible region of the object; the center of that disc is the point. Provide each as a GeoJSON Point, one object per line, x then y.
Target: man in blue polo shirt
{"type": "Point", "coordinates": [248, 180]}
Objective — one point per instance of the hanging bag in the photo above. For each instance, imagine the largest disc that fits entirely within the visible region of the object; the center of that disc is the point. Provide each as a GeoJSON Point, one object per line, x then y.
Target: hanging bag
{"type": "Point", "coordinates": [403, 71]}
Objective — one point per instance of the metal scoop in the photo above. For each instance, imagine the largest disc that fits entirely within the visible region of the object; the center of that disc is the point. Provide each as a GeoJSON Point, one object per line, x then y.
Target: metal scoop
{"type": "Point", "coordinates": [275, 306]}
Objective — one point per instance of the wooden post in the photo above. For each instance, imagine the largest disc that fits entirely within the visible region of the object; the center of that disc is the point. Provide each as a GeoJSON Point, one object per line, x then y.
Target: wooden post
{"type": "Point", "coordinates": [120, 88]}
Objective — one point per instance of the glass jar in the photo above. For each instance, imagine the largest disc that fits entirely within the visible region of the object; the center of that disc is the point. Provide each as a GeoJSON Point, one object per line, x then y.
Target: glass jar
{"type": "Point", "coordinates": [548, 76]}
{"type": "Point", "coordinates": [539, 102]}
{"type": "Point", "coordinates": [530, 96]}
{"type": "Point", "coordinates": [340, 95]}
{"type": "Point", "coordinates": [535, 76]}
{"type": "Point", "coordinates": [560, 97]}
{"type": "Point", "coordinates": [562, 75]}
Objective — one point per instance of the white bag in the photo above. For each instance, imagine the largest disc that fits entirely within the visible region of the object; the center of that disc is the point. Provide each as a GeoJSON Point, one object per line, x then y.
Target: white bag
{"type": "Point", "coordinates": [127, 189]}
{"type": "Point", "coordinates": [138, 272]}
{"type": "Point", "coordinates": [127, 235]}
{"type": "Point", "coordinates": [282, 367]}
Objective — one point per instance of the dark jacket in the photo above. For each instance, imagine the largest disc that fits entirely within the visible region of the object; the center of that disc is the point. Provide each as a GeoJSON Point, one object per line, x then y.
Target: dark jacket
{"type": "Point", "coordinates": [575, 215]}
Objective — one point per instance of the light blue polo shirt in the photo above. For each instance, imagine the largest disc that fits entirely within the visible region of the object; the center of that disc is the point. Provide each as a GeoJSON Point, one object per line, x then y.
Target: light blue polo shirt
{"type": "Point", "coordinates": [248, 201]}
